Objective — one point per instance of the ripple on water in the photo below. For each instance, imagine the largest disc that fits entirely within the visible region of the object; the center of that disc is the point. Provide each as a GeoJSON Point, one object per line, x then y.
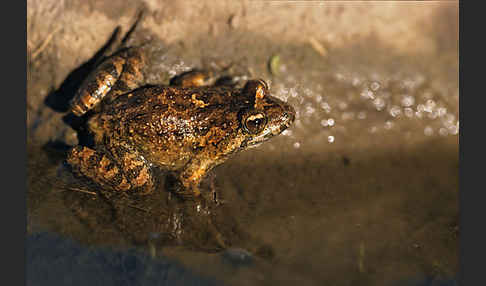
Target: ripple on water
{"type": "Point", "coordinates": [368, 102]}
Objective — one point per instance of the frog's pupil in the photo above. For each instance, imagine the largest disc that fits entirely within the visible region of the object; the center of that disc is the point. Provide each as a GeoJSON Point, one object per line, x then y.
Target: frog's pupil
{"type": "Point", "coordinates": [254, 125]}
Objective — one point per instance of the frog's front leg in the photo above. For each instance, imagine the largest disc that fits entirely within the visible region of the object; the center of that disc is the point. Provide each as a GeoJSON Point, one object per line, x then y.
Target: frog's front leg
{"type": "Point", "coordinates": [116, 75]}
{"type": "Point", "coordinates": [191, 176]}
{"type": "Point", "coordinates": [131, 173]}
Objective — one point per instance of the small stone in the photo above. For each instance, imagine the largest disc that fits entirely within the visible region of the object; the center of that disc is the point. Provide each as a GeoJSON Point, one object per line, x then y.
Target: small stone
{"type": "Point", "coordinates": [238, 256]}
{"type": "Point", "coordinates": [274, 64]}
{"type": "Point", "coordinates": [234, 21]}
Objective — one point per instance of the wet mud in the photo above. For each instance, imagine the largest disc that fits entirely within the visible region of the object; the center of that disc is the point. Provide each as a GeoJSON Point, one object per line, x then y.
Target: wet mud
{"type": "Point", "coordinates": [361, 190]}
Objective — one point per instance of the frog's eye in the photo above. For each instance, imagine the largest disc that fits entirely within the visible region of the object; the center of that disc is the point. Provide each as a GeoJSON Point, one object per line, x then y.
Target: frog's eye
{"type": "Point", "coordinates": [255, 123]}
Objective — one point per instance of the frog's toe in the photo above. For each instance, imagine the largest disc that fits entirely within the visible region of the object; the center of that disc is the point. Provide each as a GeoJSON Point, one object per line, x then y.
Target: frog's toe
{"type": "Point", "coordinates": [194, 78]}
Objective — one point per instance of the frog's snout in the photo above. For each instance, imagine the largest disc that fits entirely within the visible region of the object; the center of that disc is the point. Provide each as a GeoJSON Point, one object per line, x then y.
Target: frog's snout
{"type": "Point", "coordinates": [288, 116]}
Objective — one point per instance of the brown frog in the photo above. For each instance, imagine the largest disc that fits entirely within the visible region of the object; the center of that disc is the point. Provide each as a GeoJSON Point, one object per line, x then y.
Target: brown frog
{"type": "Point", "coordinates": [187, 128]}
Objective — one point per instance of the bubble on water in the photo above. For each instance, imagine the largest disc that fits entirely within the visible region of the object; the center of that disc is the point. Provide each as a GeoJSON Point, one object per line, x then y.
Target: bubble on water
{"type": "Point", "coordinates": [283, 90]}
{"type": "Point", "coordinates": [287, 132]}
{"type": "Point", "coordinates": [418, 114]}
{"type": "Point", "coordinates": [429, 105]}
{"type": "Point", "coordinates": [373, 129]}
{"type": "Point", "coordinates": [388, 125]}
{"type": "Point", "coordinates": [356, 81]}
{"type": "Point", "coordinates": [342, 105]}
{"type": "Point", "coordinates": [296, 145]}
{"type": "Point", "coordinates": [339, 76]}
{"type": "Point", "coordinates": [379, 103]}
{"type": "Point", "coordinates": [283, 93]}
{"type": "Point", "coordinates": [443, 131]}
{"type": "Point", "coordinates": [375, 86]}
{"type": "Point", "coordinates": [308, 92]}
{"type": "Point", "coordinates": [330, 139]}
{"type": "Point", "coordinates": [449, 118]}
{"type": "Point", "coordinates": [409, 83]}
{"type": "Point", "coordinates": [362, 115]}
{"type": "Point", "coordinates": [433, 114]}
{"type": "Point", "coordinates": [395, 111]}
{"type": "Point", "coordinates": [408, 112]}
{"type": "Point", "coordinates": [319, 98]}
{"type": "Point", "coordinates": [326, 107]}
{"type": "Point", "coordinates": [421, 108]}
{"type": "Point", "coordinates": [408, 101]}
{"type": "Point", "coordinates": [428, 131]}
{"type": "Point", "coordinates": [347, 115]}
{"type": "Point", "coordinates": [327, 122]}
{"type": "Point", "coordinates": [454, 128]}
{"type": "Point", "coordinates": [441, 111]}
{"type": "Point", "coordinates": [293, 92]}
{"type": "Point", "coordinates": [367, 94]}
{"type": "Point", "coordinates": [309, 110]}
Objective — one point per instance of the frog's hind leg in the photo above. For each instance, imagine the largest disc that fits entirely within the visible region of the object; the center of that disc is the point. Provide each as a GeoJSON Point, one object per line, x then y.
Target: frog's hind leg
{"type": "Point", "coordinates": [132, 76]}
{"type": "Point", "coordinates": [113, 75]}
{"type": "Point", "coordinates": [134, 166]}
{"type": "Point", "coordinates": [116, 75]}
{"type": "Point", "coordinates": [102, 169]}
{"type": "Point", "coordinates": [98, 167]}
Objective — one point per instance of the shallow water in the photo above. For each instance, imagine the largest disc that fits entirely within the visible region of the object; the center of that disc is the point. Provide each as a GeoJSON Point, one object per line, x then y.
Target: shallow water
{"type": "Point", "coordinates": [361, 190]}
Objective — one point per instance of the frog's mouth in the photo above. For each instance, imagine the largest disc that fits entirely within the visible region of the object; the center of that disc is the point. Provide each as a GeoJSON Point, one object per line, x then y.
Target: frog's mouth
{"type": "Point", "coordinates": [273, 130]}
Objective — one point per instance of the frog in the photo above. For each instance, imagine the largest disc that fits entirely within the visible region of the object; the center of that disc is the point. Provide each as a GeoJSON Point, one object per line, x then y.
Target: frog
{"type": "Point", "coordinates": [187, 127]}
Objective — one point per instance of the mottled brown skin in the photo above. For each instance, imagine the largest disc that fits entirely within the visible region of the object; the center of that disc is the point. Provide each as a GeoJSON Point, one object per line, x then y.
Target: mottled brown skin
{"type": "Point", "coordinates": [188, 129]}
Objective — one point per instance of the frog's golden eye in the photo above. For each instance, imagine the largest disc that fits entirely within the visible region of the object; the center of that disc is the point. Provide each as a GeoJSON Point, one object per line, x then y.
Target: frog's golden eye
{"type": "Point", "coordinates": [255, 123]}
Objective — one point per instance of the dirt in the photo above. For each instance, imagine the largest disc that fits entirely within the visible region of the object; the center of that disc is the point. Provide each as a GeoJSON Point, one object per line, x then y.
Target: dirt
{"type": "Point", "coordinates": [361, 190]}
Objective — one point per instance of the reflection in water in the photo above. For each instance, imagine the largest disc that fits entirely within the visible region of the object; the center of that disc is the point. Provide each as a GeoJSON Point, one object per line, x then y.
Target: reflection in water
{"type": "Point", "coordinates": [361, 190]}
{"type": "Point", "coordinates": [53, 260]}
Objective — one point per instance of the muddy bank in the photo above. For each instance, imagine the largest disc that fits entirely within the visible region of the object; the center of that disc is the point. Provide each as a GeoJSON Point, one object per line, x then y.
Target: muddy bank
{"type": "Point", "coordinates": [362, 190]}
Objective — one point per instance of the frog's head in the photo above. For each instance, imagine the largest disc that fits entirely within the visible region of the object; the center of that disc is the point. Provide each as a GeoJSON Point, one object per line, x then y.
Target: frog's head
{"type": "Point", "coordinates": [264, 116]}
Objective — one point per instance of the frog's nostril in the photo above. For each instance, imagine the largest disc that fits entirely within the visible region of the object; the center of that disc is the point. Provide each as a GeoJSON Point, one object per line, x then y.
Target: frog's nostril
{"type": "Point", "coordinates": [290, 114]}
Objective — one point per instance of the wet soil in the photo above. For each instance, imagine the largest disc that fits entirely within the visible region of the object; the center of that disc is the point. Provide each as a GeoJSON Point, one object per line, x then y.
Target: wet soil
{"type": "Point", "coordinates": [361, 190]}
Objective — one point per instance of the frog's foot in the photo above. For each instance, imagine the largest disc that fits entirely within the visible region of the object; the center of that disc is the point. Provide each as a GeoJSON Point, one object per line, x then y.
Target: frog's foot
{"type": "Point", "coordinates": [194, 78]}
{"type": "Point", "coordinates": [198, 78]}
{"type": "Point", "coordinates": [101, 169]}
{"type": "Point", "coordinates": [116, 75]}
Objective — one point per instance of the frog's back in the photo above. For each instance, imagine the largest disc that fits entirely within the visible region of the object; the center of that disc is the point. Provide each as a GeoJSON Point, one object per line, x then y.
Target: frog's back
{"type": "Point", "coordinates": [170, 124]}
